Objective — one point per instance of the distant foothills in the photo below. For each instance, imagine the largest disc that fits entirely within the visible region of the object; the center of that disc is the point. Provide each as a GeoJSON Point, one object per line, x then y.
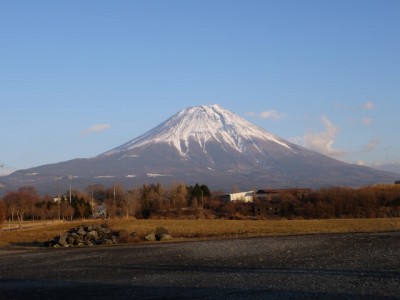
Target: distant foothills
{"type": "Point", "coordinates": [206, 144]}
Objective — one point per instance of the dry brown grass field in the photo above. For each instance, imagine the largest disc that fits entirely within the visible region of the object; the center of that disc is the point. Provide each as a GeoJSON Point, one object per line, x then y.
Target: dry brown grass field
{"type": "Point", "coordinates": [37, 232]}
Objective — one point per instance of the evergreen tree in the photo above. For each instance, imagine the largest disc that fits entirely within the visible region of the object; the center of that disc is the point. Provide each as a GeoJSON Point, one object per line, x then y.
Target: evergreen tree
{"type": "Point", "coordinates": [206, 190]}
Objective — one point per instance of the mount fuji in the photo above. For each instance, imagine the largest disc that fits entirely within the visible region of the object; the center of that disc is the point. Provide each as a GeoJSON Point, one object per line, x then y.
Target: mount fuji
{"type": "Point", "coordinates": [205, 144]}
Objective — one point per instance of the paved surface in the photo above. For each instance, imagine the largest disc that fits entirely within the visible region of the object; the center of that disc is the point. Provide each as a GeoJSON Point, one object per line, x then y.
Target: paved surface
{"type": "Point", "coordinates": [354, 266]}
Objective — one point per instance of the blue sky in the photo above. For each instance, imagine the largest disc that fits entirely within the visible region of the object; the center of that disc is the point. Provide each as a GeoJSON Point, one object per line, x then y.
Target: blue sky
{"type": "Point", "coordinates": [78, 78]}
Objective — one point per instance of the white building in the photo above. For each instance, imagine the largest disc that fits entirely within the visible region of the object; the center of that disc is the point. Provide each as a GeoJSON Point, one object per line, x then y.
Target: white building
{"type": "Point", "coordinates": [242, 196]}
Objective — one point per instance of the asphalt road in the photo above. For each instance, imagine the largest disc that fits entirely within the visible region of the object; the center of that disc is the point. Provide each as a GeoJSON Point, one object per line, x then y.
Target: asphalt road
{"type": "Point", "coordinates": [340, 266]}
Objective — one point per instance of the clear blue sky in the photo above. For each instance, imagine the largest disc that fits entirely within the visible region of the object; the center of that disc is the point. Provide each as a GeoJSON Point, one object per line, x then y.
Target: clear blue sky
{"type": "Point", "coordinates": [78, 78]}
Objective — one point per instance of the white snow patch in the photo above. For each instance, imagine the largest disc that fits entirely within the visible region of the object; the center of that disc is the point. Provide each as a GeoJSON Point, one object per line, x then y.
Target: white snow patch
{"type": "Point", "coordinates": [130, 176]}
{"type": "Point", "coordinates": [104, 176]}
{"type": "Point", "coordinates": [156, 175]}
{"type": "Point", "coordinates": [32, 174]}
{"type": "Point", "coordinates": [202, 124]}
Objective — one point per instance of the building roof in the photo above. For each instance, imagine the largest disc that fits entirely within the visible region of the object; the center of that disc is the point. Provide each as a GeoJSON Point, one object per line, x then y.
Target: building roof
{"type": "Point", "coordinates": [280, 191]}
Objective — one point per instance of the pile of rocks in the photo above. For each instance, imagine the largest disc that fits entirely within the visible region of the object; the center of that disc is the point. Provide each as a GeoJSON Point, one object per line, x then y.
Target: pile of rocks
{"type": "Point", "coordinates": [161, 234]}
{"type": "Point", "coordinates": [89, 235]}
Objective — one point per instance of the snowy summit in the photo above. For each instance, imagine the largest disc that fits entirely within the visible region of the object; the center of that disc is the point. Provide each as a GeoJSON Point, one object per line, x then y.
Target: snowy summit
{"type": "Point", "coordinates": [206, 144]}
{"type": "Point", "coordinates": [202, 124]}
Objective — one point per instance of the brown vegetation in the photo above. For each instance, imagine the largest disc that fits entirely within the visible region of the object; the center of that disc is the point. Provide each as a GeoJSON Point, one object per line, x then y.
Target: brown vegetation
{"type": "Point", "coordinates": [341, 202]}
{"type": "Point", "coordinates": [196, 202]}
{"type": "Point", "coordinates": [182, 230]}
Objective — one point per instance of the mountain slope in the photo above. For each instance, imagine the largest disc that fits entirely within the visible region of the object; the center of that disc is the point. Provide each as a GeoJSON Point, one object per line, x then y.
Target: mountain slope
{"type": "Point", "coordinates": [205, 144]}
{"type": "Point", "coordinates": [201, 124]}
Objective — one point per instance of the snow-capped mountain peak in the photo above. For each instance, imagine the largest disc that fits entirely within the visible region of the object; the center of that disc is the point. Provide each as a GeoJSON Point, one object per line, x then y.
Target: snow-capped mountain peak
{"type": "Point", "coordinates": [201, 124]}
{"type": "Point", "coordinates": [205, 144]}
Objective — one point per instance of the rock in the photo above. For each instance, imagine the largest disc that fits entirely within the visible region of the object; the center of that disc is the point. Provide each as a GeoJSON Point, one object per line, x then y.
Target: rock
{"type": "Point", "coordinates": [88, 243]}
{"type": "Point", "coordinates": [160, 231]}
{"type": "Point", "coordinates": [74, 235]}
{"type": "Point", "coordinates": [81, 231]}
{"type": "Point", "coordinates": [93, 232]}
{"type": "Point", "coordinates": [151, 237]}
{"type": "Point", "coordinates": [62, 240]}
{"type": "Point", "coordinates": [92, 235]}
{"type": "Point", "coordinates": [161, 234]}
{"type": "Point", "coordinates": [165, 237]}
{"type": "Point", "coordinates": [104, 230]}
{"type": "Point", "coordinates": [88, 236]}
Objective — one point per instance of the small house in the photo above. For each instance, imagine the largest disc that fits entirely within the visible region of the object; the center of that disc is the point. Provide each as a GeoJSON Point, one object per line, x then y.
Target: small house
{"type": "Point", "coordinates": [241, 196]}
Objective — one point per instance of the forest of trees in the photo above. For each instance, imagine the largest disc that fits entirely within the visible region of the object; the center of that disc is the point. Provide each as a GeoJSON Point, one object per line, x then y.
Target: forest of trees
{"type": "Point", "coordinates": [335, 202]}
{"type": "Point", "coordinates": [99, 201]}
{"type": "Point", "coordinates": [181, 201]}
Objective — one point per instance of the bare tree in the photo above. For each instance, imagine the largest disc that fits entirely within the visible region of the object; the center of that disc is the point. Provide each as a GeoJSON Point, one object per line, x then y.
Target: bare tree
{"type": "Point", "coordinates": [2, 212]}
{"type": "Point", "coordinates": [150, 199]}
{"type": "Point", "coordinates": [111, 208]}
{"type": "Point", "coordinates": [69, 212]}
{"type": "Point", "coordinates": [124, 204]}
{"type": "Point", "coordinates": [135, 204]}
{"type": "Point", "coordinates": [34, 210]}
{"type": "Point", "coordinates": [129, 202]}
{"type": "Point", "coordinates": [115, 201]}
{"type": "Point", "coordinates": [51, 210]}
{"type": "Point", "coordinates": [21, 201]}
{"type": "Point", "coordinates": [81, 209]}
{"type": "Point", "coordinates": [10, 206]}
{"type": "Point", "coordinates": [178, 194]}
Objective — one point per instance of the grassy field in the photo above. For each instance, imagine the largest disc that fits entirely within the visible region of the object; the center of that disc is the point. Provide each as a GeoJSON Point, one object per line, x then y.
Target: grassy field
{"type": "Point", "coordinates": [34, 232]}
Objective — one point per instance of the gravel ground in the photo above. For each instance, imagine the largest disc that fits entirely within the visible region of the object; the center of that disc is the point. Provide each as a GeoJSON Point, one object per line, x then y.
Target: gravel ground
{"type": "Point", "coordinates": [356, 266]}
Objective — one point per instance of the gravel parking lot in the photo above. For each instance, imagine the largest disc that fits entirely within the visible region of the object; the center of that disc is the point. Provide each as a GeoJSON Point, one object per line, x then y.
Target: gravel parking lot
{"type": "Point", "coordinates": [356, 266]}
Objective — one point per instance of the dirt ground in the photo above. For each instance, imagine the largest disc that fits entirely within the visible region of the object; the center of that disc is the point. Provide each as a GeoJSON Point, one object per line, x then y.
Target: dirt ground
{"type": "Point", "coordinates": [323, 266]}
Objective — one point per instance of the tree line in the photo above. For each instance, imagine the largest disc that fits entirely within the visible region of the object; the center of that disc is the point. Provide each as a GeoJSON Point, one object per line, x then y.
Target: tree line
{"type": "Point", "coordinates": [179, 201]}
{"type": "Point", "coordinates": [334, 202]}
{"type": "Point", "coordinates": [339, 202]}
{"type": "Point", "coordinates": [99, 201]}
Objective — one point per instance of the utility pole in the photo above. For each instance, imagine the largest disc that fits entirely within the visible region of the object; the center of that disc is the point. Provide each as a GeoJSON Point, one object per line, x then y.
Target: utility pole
{"type": "Point", "coordinates": [114, 208]}
{"type": "Point", "coordinates": [70, 191]}
{"type": "Point", "coordinates": [92, 195]}
{"type": "Point", "coordinates": [202, 202]}
{"type": "Point", "coordinates": [114, 195]}
{"type": "Point", "coordinates": [58, 178]}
